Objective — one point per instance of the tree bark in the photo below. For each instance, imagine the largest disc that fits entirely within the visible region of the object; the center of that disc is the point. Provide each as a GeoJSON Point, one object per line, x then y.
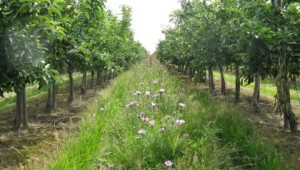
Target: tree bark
{"type": "Point", "coordinates": [283, 94]}
{"type": "Point", "coordinates": [51, 101]}
{"type": "Point", "coordinates": [71, 86]}
{"type": "Point", "coordinates": [223, 83]}
{"type": "Point", "coordinates": [255, 97]}
{"type": "Point", "coordinates": [83, 83]}
{"type": "Point", "coordinates": [211, 79]}
{"type": "Point", "coordinates": [92, 79]}
{"type": "Point", "coordinates": [21, 114]}
{"type": "Point", "coordinates": [237, 83]}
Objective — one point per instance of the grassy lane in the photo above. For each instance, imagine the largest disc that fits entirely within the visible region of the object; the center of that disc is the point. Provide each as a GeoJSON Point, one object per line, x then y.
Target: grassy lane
{"type": "Point", "coordinates": [148, 119]}
{"type": "Point", "coordinates": [268, 87]}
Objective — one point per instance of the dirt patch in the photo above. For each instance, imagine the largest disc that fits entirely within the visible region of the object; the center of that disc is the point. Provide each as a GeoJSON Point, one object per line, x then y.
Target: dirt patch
{"type": "Point", "coordinates": [268, 125]}
{"type": "Point", "coordinates": [17, 147]}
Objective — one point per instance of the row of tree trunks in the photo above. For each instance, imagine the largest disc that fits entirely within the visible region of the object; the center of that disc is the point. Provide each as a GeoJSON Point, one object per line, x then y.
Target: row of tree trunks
{"type": "Point", "coordinates": [71, 86]}
{"type": "Point", "coordinates": [84, 83]}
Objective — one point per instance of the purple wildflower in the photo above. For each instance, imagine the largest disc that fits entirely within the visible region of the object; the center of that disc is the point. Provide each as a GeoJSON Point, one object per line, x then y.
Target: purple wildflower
{"type": "Point", "coordinates": [186, 135]}
{"type": "Point", "coordinates": [156, 95]}
{"type": "Point", "coordinates": [162, 90]}
{"type": "Point", "coordinates": [148, 94]}
{"type": "Point", "coordinates": [142, 132]}
{"type": "Point", "coordinates": [145, 119]}
{"type": "Point", "coordinates": [110, 166]}
{"type": "Point", "coordinates": [180, 122]}
{"type": "Point", "coordinates": [152, 122]}
{"type": "Point", "coordinates": [162, 129]}
{"type": "Point", "coordinates": [168, 163]}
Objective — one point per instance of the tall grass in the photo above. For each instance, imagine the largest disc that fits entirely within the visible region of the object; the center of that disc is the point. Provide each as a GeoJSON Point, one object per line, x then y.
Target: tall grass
{"type": "Point", "coordinates": [185, 127]}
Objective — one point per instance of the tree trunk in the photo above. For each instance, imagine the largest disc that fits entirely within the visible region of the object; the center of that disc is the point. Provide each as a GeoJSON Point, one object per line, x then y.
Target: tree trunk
{"type": "Point", "coordinates": [255, 96]}
{"type": "Point", "coordinates": [24, 111]}
{"type": "Point", "coordinates": [211, 79]}
{"type": "Point", "coordinates": [71, 86]}
{"type": "Point", "coordinates": [51, 102]}
{"type": "Point", "coordinates": [92, 79]}
{"type": "Point", "coordinates": [21, 115]}
{"type": "Point", "coordinates": [283, 94]}
{"type": "Point", "coordinates": [83, 83]}
{"type": "Point", "coordinates": [237, 83]}
{"type": "Point", "coordinates": [223, 84]}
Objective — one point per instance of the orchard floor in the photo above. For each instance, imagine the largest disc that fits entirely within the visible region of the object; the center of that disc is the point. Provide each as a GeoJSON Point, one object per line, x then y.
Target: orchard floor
{"type": "Point", "coordinates": [267, 124]}
{"type": "Point", "coordinates": [29, 145]}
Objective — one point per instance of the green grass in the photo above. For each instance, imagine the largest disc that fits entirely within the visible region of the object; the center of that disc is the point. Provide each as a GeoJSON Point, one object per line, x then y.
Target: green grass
{"type": "Point", "coordinates": [268, 86]}
{"type": "Point", "coordinates": [32, 90]}
{"type": "Point", "coordinates": [218, 138]}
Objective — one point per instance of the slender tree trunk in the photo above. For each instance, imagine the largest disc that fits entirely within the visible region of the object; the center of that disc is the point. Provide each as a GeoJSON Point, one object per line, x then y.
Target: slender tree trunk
{"type": "Point", "coordinates": [18, 118]}
{"type": "Point", "coordinates": [51, 101]}
{"type": "Point", "coordinates": [211, 79]}
{"type": "Point", "coordinates": [71, 86]}
{"type": "Point", "coordinates": [223, 83]}
{"type": "Point", "coordinates": [255, 96]}
{"type": "Point", "coordinates": [21, 115]}
{"type": "Point", "coordinates": [283, 94]}
{"type": "Point", "coordinates": [83, 84]}
{"type": "Point", "coordinates": [92, 79]}
{"type": "Point", "coordinates": [237, 83]}
{"type": "Point", "coordinates": [24, 111]}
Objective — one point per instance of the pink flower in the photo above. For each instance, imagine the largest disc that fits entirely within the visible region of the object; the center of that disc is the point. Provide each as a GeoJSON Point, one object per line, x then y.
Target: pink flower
{"type": "Point", "coordinates": [156, 95]}
{"type": "Point", "coordinates": [180, 122]}
{"type": "Point", "coordinates": [162, 129]}
{"type": "Point", "coordinates": [145, 119]}
{"type": "Point", "coordinates": [168, 163]}
{"type": "Point", "coordinates": [152, 122]}
{"type": "Point", "coordinates": [155, 82]}
{"type": "Point", "coordinates": [110, 166]}
{"type": "Point", "coordinates": [142, 132]}
{"type": "Point", "coordinates": [186, 135]}
{"type": "Point", "coordinates": [131, 104]}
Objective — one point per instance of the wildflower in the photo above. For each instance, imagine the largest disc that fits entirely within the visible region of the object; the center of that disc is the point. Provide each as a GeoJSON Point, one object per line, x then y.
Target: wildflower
{"type": "Point", "coordinates": [162, 129]}
{"type": "Point", "coordinates": [142, 132]}
{"type": "Point", "coordinates": [138, 92]}
{"type": "Point", "coordinates": [168, 163]}
{"type": "Point", "coordinates": [153, 104]}
{"type": "Point", "coordinates": [148, 94]}
{"type": "Point", "coordinates": [142, 114]}
{"type": "Point", "coordinates": [141, 83]}
{"type": "Point", "coordinates": [186, 135]}
{"type": "Point", "coordinates": [152, 122]}
{"type": "Point", "coordinates": [162, 90]}
{"type": "Point", "coordinates": [181, 105]}
{"type": "Point", "coordinates": [155, 82]}
{"type": "Point", "coordinates": [131, 104]}
{"type": "Point", "coordinates": [180, 122]}
{"type": "Point", "coordinates": [110, 166]}
{"type": "Point", "coordinates": [145, 119]}
{"type": "Point", "coordinates": [156, 95]}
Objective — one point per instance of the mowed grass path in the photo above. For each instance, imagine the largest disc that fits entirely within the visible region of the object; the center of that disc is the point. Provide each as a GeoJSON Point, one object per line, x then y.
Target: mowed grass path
{"type": "Point", "coordinates": [148, 119]}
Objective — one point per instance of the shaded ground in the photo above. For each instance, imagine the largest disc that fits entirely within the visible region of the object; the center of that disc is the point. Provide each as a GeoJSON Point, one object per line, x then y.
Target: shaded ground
{"type": "Point", "coordinates": [17, 147]}
{"type": "Point", "coordinates": [268, 125]}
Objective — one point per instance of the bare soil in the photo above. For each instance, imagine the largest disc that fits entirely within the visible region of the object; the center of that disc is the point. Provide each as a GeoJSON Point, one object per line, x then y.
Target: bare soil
{"type": "Point", "coordinates": [268, 125]}
{"type": "Point", "coordinates": [17, 148]}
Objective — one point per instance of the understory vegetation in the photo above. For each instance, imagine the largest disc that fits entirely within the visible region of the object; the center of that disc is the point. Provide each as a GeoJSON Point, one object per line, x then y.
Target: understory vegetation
{"type": "Point", "coordinates": [148, 119]}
